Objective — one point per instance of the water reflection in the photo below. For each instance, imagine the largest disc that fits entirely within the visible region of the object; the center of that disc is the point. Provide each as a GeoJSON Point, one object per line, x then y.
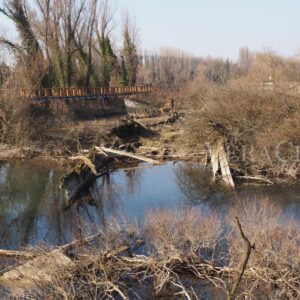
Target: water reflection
{"type": "Point", "coordinates": [194, 181]}
{"type": "Point", "coordinates": [31, 201]}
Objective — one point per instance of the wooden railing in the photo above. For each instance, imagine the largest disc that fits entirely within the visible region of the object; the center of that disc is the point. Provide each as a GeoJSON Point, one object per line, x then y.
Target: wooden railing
{"type": "Point", "coordinates": [83, 92]}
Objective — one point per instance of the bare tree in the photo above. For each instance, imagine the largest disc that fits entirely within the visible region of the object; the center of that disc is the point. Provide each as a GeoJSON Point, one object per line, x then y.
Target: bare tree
{"type": "Point", "coordinates": [245, 60]}
{"type": "Point", "coordinates": [168, 67]}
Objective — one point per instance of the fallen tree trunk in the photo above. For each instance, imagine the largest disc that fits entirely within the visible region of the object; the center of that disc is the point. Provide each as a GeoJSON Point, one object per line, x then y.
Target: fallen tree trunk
{"type": "Point", "coordinates": [127, 154]}
{"type": "Point", "coordinates": [38, 271]}
{"type": "Point", "coordinates": [17, 254]}
{"type": "Point", "coordinates": [220, 163]}
{"type": "Point", "coordinates": [77, 182]}
{"type": "Point", "coordinates": [93, 164]}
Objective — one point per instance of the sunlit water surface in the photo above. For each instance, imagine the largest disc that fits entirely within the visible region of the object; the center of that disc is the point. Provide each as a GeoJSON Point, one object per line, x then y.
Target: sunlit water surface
{"type": "Point", "coordinates": [31, 201]}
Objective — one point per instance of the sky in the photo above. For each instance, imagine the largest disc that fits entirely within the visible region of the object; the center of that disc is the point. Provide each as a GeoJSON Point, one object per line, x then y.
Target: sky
{"type": "Point", "coordinates": [216, 28]}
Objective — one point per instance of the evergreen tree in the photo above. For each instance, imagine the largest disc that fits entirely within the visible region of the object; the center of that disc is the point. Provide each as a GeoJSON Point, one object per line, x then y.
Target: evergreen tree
{"type": "Point", "coordinates": [130, 55]}
{"type": "Point", "coordinates": [124, 81]}
{"type": "Point", "coordinates": [108, 61]}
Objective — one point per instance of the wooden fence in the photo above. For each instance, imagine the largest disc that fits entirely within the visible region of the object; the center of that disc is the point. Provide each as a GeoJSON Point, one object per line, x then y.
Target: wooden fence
{"type": "Point", "coordinates": [79, 92]}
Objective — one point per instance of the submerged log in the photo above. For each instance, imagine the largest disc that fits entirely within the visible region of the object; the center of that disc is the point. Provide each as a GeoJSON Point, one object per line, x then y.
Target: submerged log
{"type": "Point", "coordinates": [77, 182]}
{"type": "Point", "coordinates": [95, 163]}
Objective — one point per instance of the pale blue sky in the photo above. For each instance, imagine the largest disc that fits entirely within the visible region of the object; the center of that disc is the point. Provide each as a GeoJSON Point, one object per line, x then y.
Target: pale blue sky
{"type": "Point", "coordinates": [218, 27]}
{"type": "Point", "coordinates": [213, 27]}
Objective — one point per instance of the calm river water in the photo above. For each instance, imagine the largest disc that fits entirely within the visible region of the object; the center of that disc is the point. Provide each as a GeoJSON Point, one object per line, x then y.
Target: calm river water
{"type": "Point", "coordinates": [31, 201]}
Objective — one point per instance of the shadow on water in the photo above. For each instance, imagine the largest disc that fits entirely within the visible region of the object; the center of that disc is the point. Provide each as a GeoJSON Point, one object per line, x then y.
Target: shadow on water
{"type": "Point", "coordinates": [31, 201]}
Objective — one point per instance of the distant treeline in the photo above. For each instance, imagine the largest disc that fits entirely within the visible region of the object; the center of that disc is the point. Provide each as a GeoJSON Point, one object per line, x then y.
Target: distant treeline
{"type": "Point", "coordinates": [171, 67]}
{"type": "Point", "coordinates": [71, 43]}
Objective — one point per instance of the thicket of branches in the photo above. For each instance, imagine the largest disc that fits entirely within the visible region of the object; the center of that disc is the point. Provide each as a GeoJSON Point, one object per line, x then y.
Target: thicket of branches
{"type": "Point", "coordinates": [260, 67]}
{"type": "Point", "coordinates": [187, 254]}
{"type": "Point", "coordinates": [255, 115]}
{"type": "Point", "coordinates": [168, 67]}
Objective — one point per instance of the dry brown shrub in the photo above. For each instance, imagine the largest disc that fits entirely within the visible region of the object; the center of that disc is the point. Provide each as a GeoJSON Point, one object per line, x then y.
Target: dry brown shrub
{"type": "Point", "coordinates": [252, 121]}
{"type": "Point", "coordinates": [14, 117]}
{"type": "Point", "coordinates": [276, 253]}
{"type": "Point", "coordinates": [181, 231]}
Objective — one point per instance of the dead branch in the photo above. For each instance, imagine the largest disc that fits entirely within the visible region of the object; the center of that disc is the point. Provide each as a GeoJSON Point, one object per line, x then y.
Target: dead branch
{"type": "Point", "coordinates": [249, 248]}
{"type": "Point", "coordinates": [89, 239]}
{"type": "Point", "coordinates": [256, 178]}
{"type": "Point", "coordinates": [17, 254]}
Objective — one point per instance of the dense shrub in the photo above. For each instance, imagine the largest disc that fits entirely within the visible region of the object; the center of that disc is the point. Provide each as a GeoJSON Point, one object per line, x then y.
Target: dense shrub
{"type": "Point", "coordinates": [259, 126]}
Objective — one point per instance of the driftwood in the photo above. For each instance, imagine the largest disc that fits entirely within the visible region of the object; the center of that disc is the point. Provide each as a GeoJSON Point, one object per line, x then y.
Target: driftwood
{"type": "Point", "coordinates": [260, 179]}
{"type": "Point", "coordinates": [184, 156]}
{"type": "Point", "coordinates": [42, 269]}
{"type": "Point", "coordinates": [86, 240]}
{"type": "Point", "coordinates": [38, 271]}
{"type": "Point", "coordinates": [141, 124]}
{"type": "Point", "coordinates": [91, 165]}
{"type": "Point", "coordinates": [17, 254]}
{"type": "Point", "coordinates": [127, 154]}
{"type": "Point", "coordinates": [224, 165]}
{"type": "Point", "coordinates": [76, 183]}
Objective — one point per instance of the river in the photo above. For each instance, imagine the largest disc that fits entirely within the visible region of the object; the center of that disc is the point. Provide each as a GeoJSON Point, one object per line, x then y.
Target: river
{"type": "Point", "coordinates": [31, 201]}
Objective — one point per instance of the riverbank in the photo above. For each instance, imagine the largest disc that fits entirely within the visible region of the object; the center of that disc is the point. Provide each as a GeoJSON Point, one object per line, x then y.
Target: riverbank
{"type": "Point", "coordinates": [254, 129]}
{"type": "Point", "coordinates": [151, 136]}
